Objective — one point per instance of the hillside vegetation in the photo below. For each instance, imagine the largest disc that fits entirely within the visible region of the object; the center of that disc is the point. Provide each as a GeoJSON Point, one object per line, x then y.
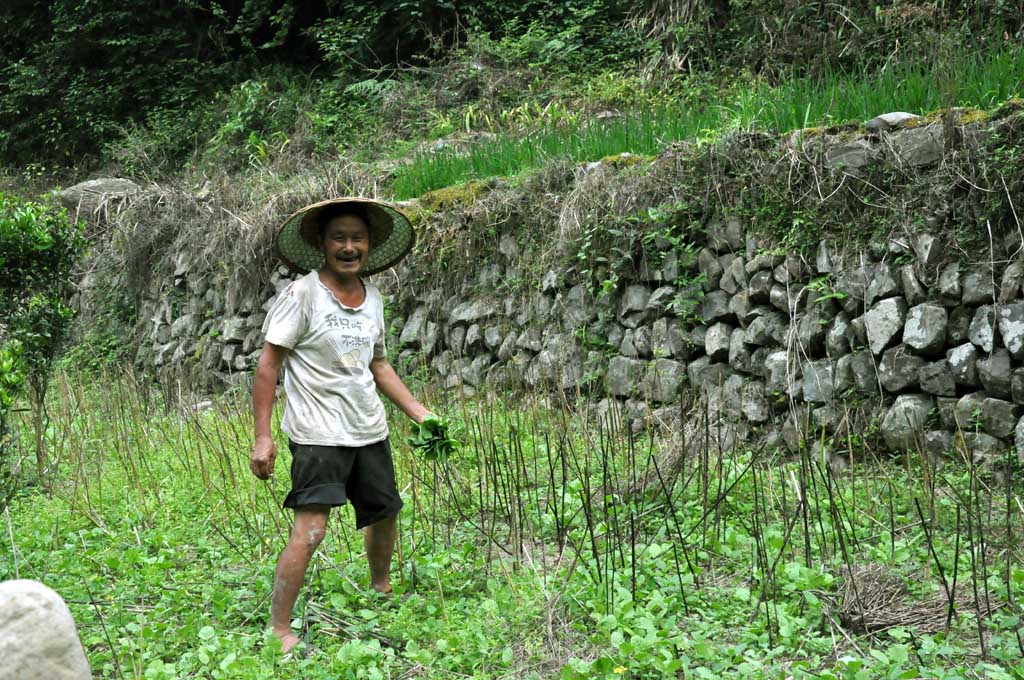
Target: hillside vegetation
{"type": "Point", "coordinates": [213, 87]}
{"type": "Point", "coordinates": [550, 147]}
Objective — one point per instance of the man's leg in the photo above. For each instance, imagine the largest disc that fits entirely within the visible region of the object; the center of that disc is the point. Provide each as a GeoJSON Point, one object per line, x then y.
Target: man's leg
{"type": "Point", "coordinates": [379, 539]}
{"type": "Point", "coordinates": [307, 532]}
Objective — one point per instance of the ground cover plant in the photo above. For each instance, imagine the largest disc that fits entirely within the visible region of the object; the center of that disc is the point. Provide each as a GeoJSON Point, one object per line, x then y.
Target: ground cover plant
{"type": "Point", "coordinates": [555, 543]}
{"type": "Point", "coordinates": [828, 99]}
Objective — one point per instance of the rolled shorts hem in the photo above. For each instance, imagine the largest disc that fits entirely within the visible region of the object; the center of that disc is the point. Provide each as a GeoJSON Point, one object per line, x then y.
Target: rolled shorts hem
{"type": "Point", "coordinates": [365, 520]}
{"type": "Point", "coordinates": [333, 495]}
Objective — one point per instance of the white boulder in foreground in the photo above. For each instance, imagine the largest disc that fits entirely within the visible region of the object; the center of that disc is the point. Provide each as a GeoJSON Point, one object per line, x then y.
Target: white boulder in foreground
{"type": "Point", "coordinates": [38, 638]}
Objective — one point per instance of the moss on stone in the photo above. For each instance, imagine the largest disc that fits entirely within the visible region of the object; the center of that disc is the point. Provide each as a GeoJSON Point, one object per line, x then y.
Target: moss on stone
{"type": "Point", "coordinates": [458, 195]}
{"type": "Point", "coordinates": [625, 160]}
{"type": "Point", "coordinates": [960, 116]}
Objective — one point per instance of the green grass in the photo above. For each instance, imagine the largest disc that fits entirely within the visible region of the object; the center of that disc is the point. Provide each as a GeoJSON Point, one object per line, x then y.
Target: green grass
{"type": "Point", "coordinates": [962, 80]}
{"type": "Point", "coordinates": [526, 557]}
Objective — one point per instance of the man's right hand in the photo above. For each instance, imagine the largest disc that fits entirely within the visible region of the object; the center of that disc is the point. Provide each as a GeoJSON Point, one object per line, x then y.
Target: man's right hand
{"type": "Point", "coordinates": [261, 462]}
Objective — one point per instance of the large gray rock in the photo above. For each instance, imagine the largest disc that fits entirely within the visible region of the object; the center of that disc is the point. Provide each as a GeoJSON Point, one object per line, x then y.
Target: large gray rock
{"type": "Point", "coordinates": [782, 373]}
{"type": "Point", "coordinates": [88, 199]}
{"type": "Point", "coordinates": [938, 443]}
{"type": "Point", "coordinates": [837, 341]}
{"type": "Point", "coordinates": [925, 329]}
{"type": "Point", "coordinates": [415, 326]}
{"type": "Point", "coordinates": [474, 372]}
{"type": "Point", "coordinates": [884, 323]}
{"type": "Point", "coordinates": [493, 338]}
{"type": "Point", "coordinates": [717, 340]}
{"type": "Point", "coordinates": [578, 307]}
{"type": "Point", "coordinates": [959, 325]}
{"type": "Point", "coordinates": [662, 380]}
{"type": "Point", "coordinates": [184, 326]}
{"type": "Point", "coordinates": [472, 311]}
{"type": "Point", "coordinates": [710, 267]}
{"type": "Point", "coordinates": [977, 287]}
{"type": "Point", "coordinates": [842, 377]}
{"type": "Point", "coordinates": [759, 287]}
{"type": "Point", "coordinates": [903, 425]}
{"type": "Point", "coordinates": [937, 378]}
{"type": "Point", "coordinates": [1013, 279]}
{"type": "Point", "coordinates": [928, 249]}
{"type": "Point", "coordinates": [882, 285]}
{"type": "Point", "coordinates": [963, 363]}
{"type": "Point", "coordinates": [234, 329]}
{"type": "Point", "coordinates": [660, 301]}
{"type": "Point", "coordinates": [716, 307]}
{"type": "Point", "coordinates": [888, 121]}
{"type": "Point", "coordinates": [913, 291]}
{"type": "Point", "coordinates": [530, 339]}
{"type": "Point", "coordinates": [1011, 328]}
{"type": "Point", "coordinates": [919, 146]}
{"type": "Point", "coordinates": [818, 385]}
{"type": "Point", "coordinates": [623, 376]}
{"type": "Point", "coordinates": [768, 330]}
{"type": "Point", "coordinates": [984, 447]}
{"type": "Point", "coordinates": [949, 283]}
{"type": "Point", "coordinates": [38, 638]}
{"type": "Point", "coordinates": [994, 373]}
{"type": "Point", "coordinates": [864, 372]}
{"type": "Point", "coordinates": [1017, 385]}
{"type": "Point", "coordinates": [633, 306]}
{"type": "Point", "coordinates": [983, 328]}
{"type": "Point", "coordinates": [791, 271]}
{"type": "Point", "coordinates": [1018, 440]}
{"type": "Point", "coordinates": [999, 418]}
{"type": "Point", "coordinates": [753, 403]}
{"type": "Point", "coordinates": [742, 309]}
{"type": "Point", "coordinates": [850, 156]}
{"type": "Point", "coordinates": [898, 369]}
{"type": "Point", "coordinates": [726, 233]}
{"type": "Point", "coordinates": [739, 352]}
{"type": "Point", "coordinates": [811, 330]}
{"type": "Point", "coordinates": [734, 278]}
{"type": "Point", "coordinates": [474, 340]}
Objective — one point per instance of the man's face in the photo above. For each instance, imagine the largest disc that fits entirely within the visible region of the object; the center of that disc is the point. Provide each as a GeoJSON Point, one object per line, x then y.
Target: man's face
{"type": "Point", "coordinates": [346, 245]}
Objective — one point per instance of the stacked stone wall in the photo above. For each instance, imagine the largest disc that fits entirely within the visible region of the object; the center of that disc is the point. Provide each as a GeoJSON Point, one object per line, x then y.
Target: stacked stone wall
{"type": "Point", "coordinates": [921, 339]}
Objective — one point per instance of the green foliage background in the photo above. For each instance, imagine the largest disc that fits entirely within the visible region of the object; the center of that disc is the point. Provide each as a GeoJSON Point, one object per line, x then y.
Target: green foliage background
{"type": "Point", "coordinates": [80, 78]}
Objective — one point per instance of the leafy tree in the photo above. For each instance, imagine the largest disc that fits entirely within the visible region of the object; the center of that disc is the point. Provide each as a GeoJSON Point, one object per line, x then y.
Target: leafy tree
{"type": "Point", "coordinates": [38, 246]}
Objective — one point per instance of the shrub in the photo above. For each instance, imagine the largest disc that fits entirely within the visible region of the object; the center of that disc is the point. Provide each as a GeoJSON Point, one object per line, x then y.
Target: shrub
{"type": "Point", "coordinates": [38, 246]}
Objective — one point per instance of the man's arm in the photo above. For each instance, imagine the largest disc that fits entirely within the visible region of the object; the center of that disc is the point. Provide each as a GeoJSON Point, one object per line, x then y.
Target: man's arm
{"type": "Point", "coordinates": [264, 452]}
{"type": "Point", "coordinates": [392, 387]}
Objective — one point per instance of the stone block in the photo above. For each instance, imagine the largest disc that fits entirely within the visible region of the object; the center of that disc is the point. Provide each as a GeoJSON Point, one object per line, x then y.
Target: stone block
{"type": "Point", "coordinates": [662, 380]}
{"type": "Point", "coordinates": [884, 323]}
{"type": "Point", "coordinates": [925, 329]}
{"type": "Point", "coordinates": [994, 373]}
{"type": "Point", "coordinates": [937, 378]}
{"type": "Point", "coordinates": [903, 426]}
{"type": "Point", "coordinates": [982, 331]}
{"type": "Point", "coordinates": [963, 363]}
{"type": "Point", "coordinates": [717, 340]}
{"type": "Point", "coordinates": [623, 376]}
{"type": "Point", "coordinates": [1011, 328]}
{"type": "Point", "coordinates": [898, 370]}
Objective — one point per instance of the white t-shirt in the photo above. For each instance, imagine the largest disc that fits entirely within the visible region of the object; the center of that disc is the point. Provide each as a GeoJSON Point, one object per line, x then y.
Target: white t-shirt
{"type": "Point", "coordinates": [331, 397]}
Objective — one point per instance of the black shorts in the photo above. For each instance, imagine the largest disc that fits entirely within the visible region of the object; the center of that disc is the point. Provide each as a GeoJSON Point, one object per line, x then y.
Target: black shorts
{"type": "Point", "coordinates": [332, 475]}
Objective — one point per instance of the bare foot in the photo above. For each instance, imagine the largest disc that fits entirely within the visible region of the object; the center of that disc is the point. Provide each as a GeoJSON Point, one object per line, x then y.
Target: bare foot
{"type": "Point", "coordinates": [288, 640]}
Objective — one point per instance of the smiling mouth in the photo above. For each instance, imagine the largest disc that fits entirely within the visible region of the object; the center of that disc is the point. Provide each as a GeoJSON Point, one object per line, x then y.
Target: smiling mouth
{"type": "Point", "coordinates": [350, 259]}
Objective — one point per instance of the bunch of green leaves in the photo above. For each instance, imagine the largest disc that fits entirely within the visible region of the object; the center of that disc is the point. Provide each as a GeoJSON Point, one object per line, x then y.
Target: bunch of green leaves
{"type": "Point", "coordinates": [38, 246]}
{"type": "Point", "coordinates": [431, 439]}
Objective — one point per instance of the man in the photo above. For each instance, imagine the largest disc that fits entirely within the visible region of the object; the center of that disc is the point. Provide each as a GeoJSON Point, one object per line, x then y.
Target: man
{"type": "Point", "coordinates": [327, 330]}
